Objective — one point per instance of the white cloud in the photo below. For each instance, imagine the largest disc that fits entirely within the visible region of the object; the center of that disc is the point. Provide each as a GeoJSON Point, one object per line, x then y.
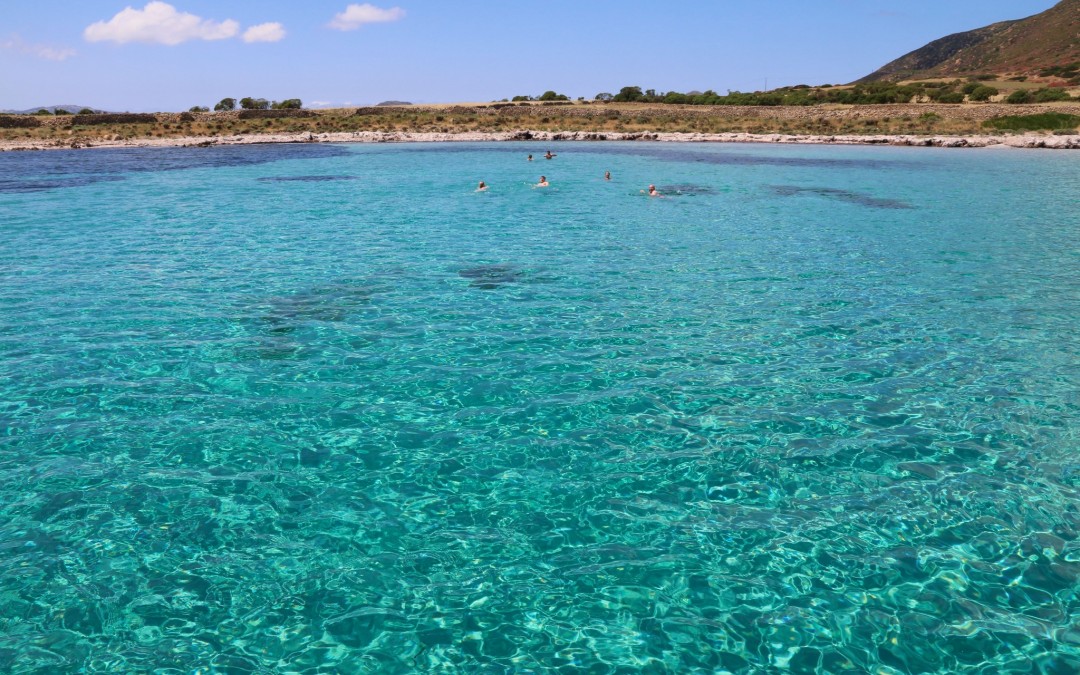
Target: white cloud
{"type": "Point", "coordinates": [159, 23]}
{"type": "Point", "coordinates": [355, 16]}
{"type": "Point", "coordinates": [265, 32]}
{"type": "Point", "coordinates": [16, 43]}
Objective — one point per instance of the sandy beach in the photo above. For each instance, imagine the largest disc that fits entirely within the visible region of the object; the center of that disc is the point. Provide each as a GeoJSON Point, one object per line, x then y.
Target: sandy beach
{"type": "Point", "coordinates": [1057, 142]}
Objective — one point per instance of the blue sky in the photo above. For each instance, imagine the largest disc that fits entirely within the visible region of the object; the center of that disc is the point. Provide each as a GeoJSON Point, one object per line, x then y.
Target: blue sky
{"type": "Point", "coordinates": [143, 56]}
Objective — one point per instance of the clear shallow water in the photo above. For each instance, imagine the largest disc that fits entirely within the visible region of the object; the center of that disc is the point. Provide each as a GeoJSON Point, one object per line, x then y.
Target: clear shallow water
{"type": "Point", "coordinates": [286, 408]}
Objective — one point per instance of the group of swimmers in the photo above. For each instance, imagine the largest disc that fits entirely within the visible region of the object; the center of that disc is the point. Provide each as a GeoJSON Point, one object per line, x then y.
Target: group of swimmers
{"type": "Point", "coordinates": [548, 155]}
{"type": "Point", "coordinates": [652, 192]}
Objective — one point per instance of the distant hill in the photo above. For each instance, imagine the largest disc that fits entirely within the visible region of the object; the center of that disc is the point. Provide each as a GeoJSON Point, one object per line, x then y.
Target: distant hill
{"type": "Point", "coordinates": [1020, 47]}
{"type": "Point", "coordinates": [51, 108]}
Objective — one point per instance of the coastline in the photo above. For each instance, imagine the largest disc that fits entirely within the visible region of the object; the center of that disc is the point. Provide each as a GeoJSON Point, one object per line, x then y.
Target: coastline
{"type": "Point", "coordinates": [1032, 140]}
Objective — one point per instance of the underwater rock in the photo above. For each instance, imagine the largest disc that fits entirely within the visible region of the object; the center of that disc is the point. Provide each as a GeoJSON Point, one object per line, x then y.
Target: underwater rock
{"type": "Point", "coordinates": [840, 195]}
{"type": "Point", "coordinates": [330, 303]}
{"type": "Point", "coordinates": [491, 276]}
{"type": "Point", "coordinates": [303, 179]}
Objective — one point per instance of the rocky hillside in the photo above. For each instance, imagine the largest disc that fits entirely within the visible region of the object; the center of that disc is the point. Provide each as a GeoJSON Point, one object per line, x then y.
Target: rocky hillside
{"type": "Point", "coordinates": [1020, 47]}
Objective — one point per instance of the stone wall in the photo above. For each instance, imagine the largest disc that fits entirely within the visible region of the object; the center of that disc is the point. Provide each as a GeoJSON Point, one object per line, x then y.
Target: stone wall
{"type": "Point", "coordinates": [155, 118]}
{"type": "Point", "coordinates": [114, 118]}
{"type": "Point", "coordinates": [19, 122]}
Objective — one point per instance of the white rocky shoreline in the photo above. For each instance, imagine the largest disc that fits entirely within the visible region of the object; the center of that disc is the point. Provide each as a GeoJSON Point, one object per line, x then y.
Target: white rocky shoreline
{"type": "Point", "coordinates": [1055, 142]}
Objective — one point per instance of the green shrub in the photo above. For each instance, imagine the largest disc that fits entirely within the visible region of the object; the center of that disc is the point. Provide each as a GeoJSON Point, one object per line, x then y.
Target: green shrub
{"type": "Point", "coordinates": [1066, 70]}
{"type": "Point", "coordinates": [198, 108]}
{"type": "Point", "coordinates": [986, 77]}
{"type": "Point", "coordinates": [225, 104]}
{"type": "Point", "coordinates": [983, 93]}
{"type": "Point", "coordinates": [1020, 96]}
{"type": "Point", "coordinates": [1040, 122]}
{"type": "Point", "coordinates": [287, 104]}
{"type": "Point", "coordinates": [87, 111]}
{"type": "Point", "coordinates": [1051, 94]}
{"type": "Point", "coordinates": [970, 87]}
{"type": "Point", "coordinates": [951, 97]}
{"type": "Point", "coordinates": [61, 111]}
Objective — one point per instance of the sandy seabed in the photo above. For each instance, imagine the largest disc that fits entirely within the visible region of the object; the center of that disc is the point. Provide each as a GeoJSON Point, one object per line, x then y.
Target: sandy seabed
{"type": "Point", "coordinates": [1058, 142]}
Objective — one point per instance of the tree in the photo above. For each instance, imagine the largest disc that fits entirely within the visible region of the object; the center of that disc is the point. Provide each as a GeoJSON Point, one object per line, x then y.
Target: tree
{"type": "Point", "coordinates": [43, 111]}
{"type": "Point", "coordinates": [552, 96]}
{"type": "Point", "coordinates": [61, 111]}
{"type": "Point", "coordinates": [226, 104]}
{"type": "Point", "coordinates": [248, 103]}
{"type": "Point", "coordinates": [983, 93]}
{"type": "Point", "coordinates": [629, 95]}
{"type": "Point", "coordinates": [199, 108]}
{"type": "Point", "coordinates": [87, 111]}
{"type": "Point", "coordinates": [287, 104]}
{"type": "Point", "coordinates": [521, 98]}
{"type": "Point", "coordinates": [603, 97]}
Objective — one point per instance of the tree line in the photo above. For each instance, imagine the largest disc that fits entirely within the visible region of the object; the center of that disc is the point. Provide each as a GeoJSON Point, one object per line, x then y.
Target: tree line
{"type": "Point", "coordinates": [973, 89]}
{"type": "Point", "coordinates": [61, 111]}
{"type": "Point", "coordinates": [248, 103]}
{"type": "Point", "coordinates": [549, 95]}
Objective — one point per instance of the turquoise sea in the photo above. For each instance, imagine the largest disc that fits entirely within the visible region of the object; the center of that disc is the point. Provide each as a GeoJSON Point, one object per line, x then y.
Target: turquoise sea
{"type": "Point", "coordinates": [325, 409]}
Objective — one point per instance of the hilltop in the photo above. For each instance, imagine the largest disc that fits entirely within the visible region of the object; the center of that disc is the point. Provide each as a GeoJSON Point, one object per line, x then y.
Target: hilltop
{"type": "Point", "coordinates": [68, 107]}
{"type": "Point", "coordinates": [1023, 47]}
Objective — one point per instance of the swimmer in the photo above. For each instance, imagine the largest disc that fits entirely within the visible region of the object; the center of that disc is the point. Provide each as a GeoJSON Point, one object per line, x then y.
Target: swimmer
{"type": "Point", "coordinates": [652, 192]}
{"type": "Point", "coordinates": [607, 175]}
{"type": "Point", "coordinates": [549, 155]}
{"type": "Point", "coordinates": [482, 187]}
{"type": "Point", "coordinates": [530, 158]}
{"type": "Point", "coordinates": [543, 182]}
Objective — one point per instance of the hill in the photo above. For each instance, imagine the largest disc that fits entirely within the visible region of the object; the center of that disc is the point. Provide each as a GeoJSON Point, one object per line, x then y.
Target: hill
{"type": "Point", "coordinates": [51, 108]}
{"type": "Point", "coordinates": [1020, 47]}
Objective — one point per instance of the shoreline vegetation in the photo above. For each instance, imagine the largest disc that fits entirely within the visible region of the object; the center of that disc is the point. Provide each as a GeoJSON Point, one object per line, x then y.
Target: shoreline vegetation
{"type": "Point", "coordinates": [1048, 125]}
